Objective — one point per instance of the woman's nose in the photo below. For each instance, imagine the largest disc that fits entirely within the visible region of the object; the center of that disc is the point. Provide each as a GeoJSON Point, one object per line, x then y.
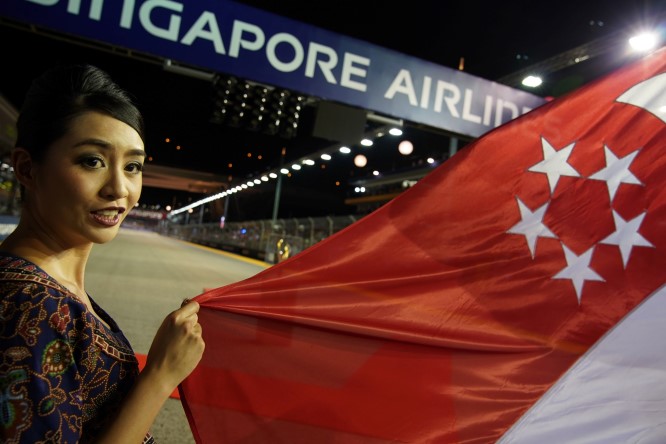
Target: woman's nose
{"type": "Point", "coordinates": [116, 185]}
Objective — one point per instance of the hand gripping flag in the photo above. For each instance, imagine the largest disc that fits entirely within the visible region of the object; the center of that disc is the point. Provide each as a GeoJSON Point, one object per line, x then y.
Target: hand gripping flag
{"type": "Point", "coordinates": [515, 295]}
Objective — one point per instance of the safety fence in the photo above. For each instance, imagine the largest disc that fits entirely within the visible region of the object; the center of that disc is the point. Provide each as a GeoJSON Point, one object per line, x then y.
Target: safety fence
{"type": "Point", "coordinates": [267, 240]}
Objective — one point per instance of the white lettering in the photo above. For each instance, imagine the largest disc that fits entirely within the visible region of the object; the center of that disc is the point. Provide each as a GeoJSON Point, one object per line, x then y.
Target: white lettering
{"type": "Point", "coordinates": [96, 10]}
{"type": "Point", "coordinates": [449, 96]}
{"type": "Point", "coordinates": [283, 37]}
{"type": "Point", "coordinates": [499, 112]}
{"type": "Point", "coordinates": [425, 93]}
{"type": "Point", "coordinates": [467, 105]}
{"type": "Point", "coordinates": [171, 33]}
{"type": "Point", "coordinates": [74, 7]}
{"type": "Point", "coordinates": [45, 2]}
{"type": "Point", "coordinates": [487, 110]}
{"type": "Point", "coordinates": [206, 20]}
{"type": "Point", "coordinates": [451, 100]}
{"type": "Point", "coordinates": [402, 84]}
{"type": "Point", "coordinates": [349, 69]}
{"type": "Point", "coordinates": [126, 15]}
{"type": "Point", "coordinates": [237, 40]}
{"type": "Point", "coordinates": [326, 66]}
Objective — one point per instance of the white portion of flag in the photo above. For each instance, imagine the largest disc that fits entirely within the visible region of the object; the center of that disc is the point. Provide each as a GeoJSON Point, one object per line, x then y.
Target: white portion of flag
{"type": "Point", "coordinates": [649, 95]}
{"type": "Point", "coordinates": [615, 393]}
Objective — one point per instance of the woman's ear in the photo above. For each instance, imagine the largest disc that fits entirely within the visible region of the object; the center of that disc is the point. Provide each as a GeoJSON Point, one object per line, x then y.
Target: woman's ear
{"type": "Point", "coordinates": [23, 167]}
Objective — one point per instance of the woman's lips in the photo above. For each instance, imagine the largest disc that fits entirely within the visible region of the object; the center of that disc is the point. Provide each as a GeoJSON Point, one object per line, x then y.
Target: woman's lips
{"type": "Point", "coordinates": [107, 218]}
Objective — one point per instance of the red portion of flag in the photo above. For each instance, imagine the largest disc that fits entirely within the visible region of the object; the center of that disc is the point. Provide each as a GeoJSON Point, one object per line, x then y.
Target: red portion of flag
{"type": "Point", "coordinates": [446, 314]}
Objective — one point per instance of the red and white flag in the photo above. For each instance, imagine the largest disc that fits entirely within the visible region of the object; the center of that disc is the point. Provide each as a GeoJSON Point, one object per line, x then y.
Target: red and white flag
{"type": "Point", "coordinates": [513, 295]}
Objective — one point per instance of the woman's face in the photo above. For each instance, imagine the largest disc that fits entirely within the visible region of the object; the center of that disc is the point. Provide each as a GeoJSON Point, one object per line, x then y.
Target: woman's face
{"type": "Point", "coordinates": [88, 181]}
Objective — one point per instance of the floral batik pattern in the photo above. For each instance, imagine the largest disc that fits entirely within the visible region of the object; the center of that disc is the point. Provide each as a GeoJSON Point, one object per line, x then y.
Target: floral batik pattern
{"type": "Point", "coordinates": [63, 372]}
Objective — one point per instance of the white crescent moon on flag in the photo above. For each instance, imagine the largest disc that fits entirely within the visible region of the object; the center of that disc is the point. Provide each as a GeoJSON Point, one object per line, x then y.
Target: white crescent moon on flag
{"type": "Point", "coordinates": [650, 95]}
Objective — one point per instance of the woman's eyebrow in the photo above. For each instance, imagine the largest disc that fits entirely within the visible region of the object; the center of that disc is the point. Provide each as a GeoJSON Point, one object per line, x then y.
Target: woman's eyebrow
{"type": "Point", "coordinates": [98, 142]}
{"type": "Point", "coordinates": [105, 145]}
{"type": "Point", "coordinates": [136, 152]}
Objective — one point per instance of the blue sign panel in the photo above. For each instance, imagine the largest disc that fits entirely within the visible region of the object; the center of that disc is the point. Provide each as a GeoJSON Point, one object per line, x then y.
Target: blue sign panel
{"type": "Point", "coordinates": [239, 40]}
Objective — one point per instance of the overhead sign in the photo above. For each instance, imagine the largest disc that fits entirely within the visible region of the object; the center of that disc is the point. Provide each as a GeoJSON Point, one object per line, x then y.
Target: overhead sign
{"type": "Point", "coordinates": [239, 40]}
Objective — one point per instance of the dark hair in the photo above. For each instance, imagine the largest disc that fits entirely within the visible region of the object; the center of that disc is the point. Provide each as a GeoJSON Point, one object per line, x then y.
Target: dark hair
{"type": "Point", "coordinates": [64, 93]}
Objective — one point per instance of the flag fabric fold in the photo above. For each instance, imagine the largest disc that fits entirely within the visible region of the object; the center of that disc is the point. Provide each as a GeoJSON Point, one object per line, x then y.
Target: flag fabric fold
{"type": "Point", "coordinates": [466, 309]}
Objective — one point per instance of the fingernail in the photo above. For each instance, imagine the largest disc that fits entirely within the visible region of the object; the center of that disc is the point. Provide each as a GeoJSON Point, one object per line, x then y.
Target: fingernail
{"type": "Point", "coordinates": [185, 302]}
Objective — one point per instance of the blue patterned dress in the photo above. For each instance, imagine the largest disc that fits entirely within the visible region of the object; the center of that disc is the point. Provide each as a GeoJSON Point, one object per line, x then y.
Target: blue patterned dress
{"type": "Point", "coordinates": [63, 373]}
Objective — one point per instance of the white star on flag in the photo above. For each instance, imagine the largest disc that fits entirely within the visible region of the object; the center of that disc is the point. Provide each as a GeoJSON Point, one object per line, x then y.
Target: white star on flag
{"type": "Point", "coordinates": [616, 171]}
{"type": "Point", "coordinates": [554, 163]}
{"type": "Point", "coordinates": [626, 236]}
{"type": "Point", "coordinates": [531, 225]}
{"type": "Point", "coordinates": [578, 270]}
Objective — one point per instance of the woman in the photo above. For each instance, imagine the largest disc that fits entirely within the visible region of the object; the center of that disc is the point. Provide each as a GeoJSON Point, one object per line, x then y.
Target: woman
{"type": "Point", "coordinates": [67, 373]}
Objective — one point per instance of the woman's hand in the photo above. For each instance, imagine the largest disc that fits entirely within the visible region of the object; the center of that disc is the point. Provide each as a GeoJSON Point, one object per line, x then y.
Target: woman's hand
{"type": "Point", "coordinates": [176, 350]}
{"type": "Point", "coordinates": [177, 347]}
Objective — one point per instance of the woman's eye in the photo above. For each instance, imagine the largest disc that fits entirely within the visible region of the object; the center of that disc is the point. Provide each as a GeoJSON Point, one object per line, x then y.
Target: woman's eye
{"type": "Point", "coordinates": [92, 162]}
{"type": "Point", "coordinates": [134, 167]}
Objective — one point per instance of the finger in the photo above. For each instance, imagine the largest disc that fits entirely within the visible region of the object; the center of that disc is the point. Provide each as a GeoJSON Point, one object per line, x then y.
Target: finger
{"type": "Point", "coordinates": [190, 308]}
{"type": "Point", "coordinates": [192, 320]}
